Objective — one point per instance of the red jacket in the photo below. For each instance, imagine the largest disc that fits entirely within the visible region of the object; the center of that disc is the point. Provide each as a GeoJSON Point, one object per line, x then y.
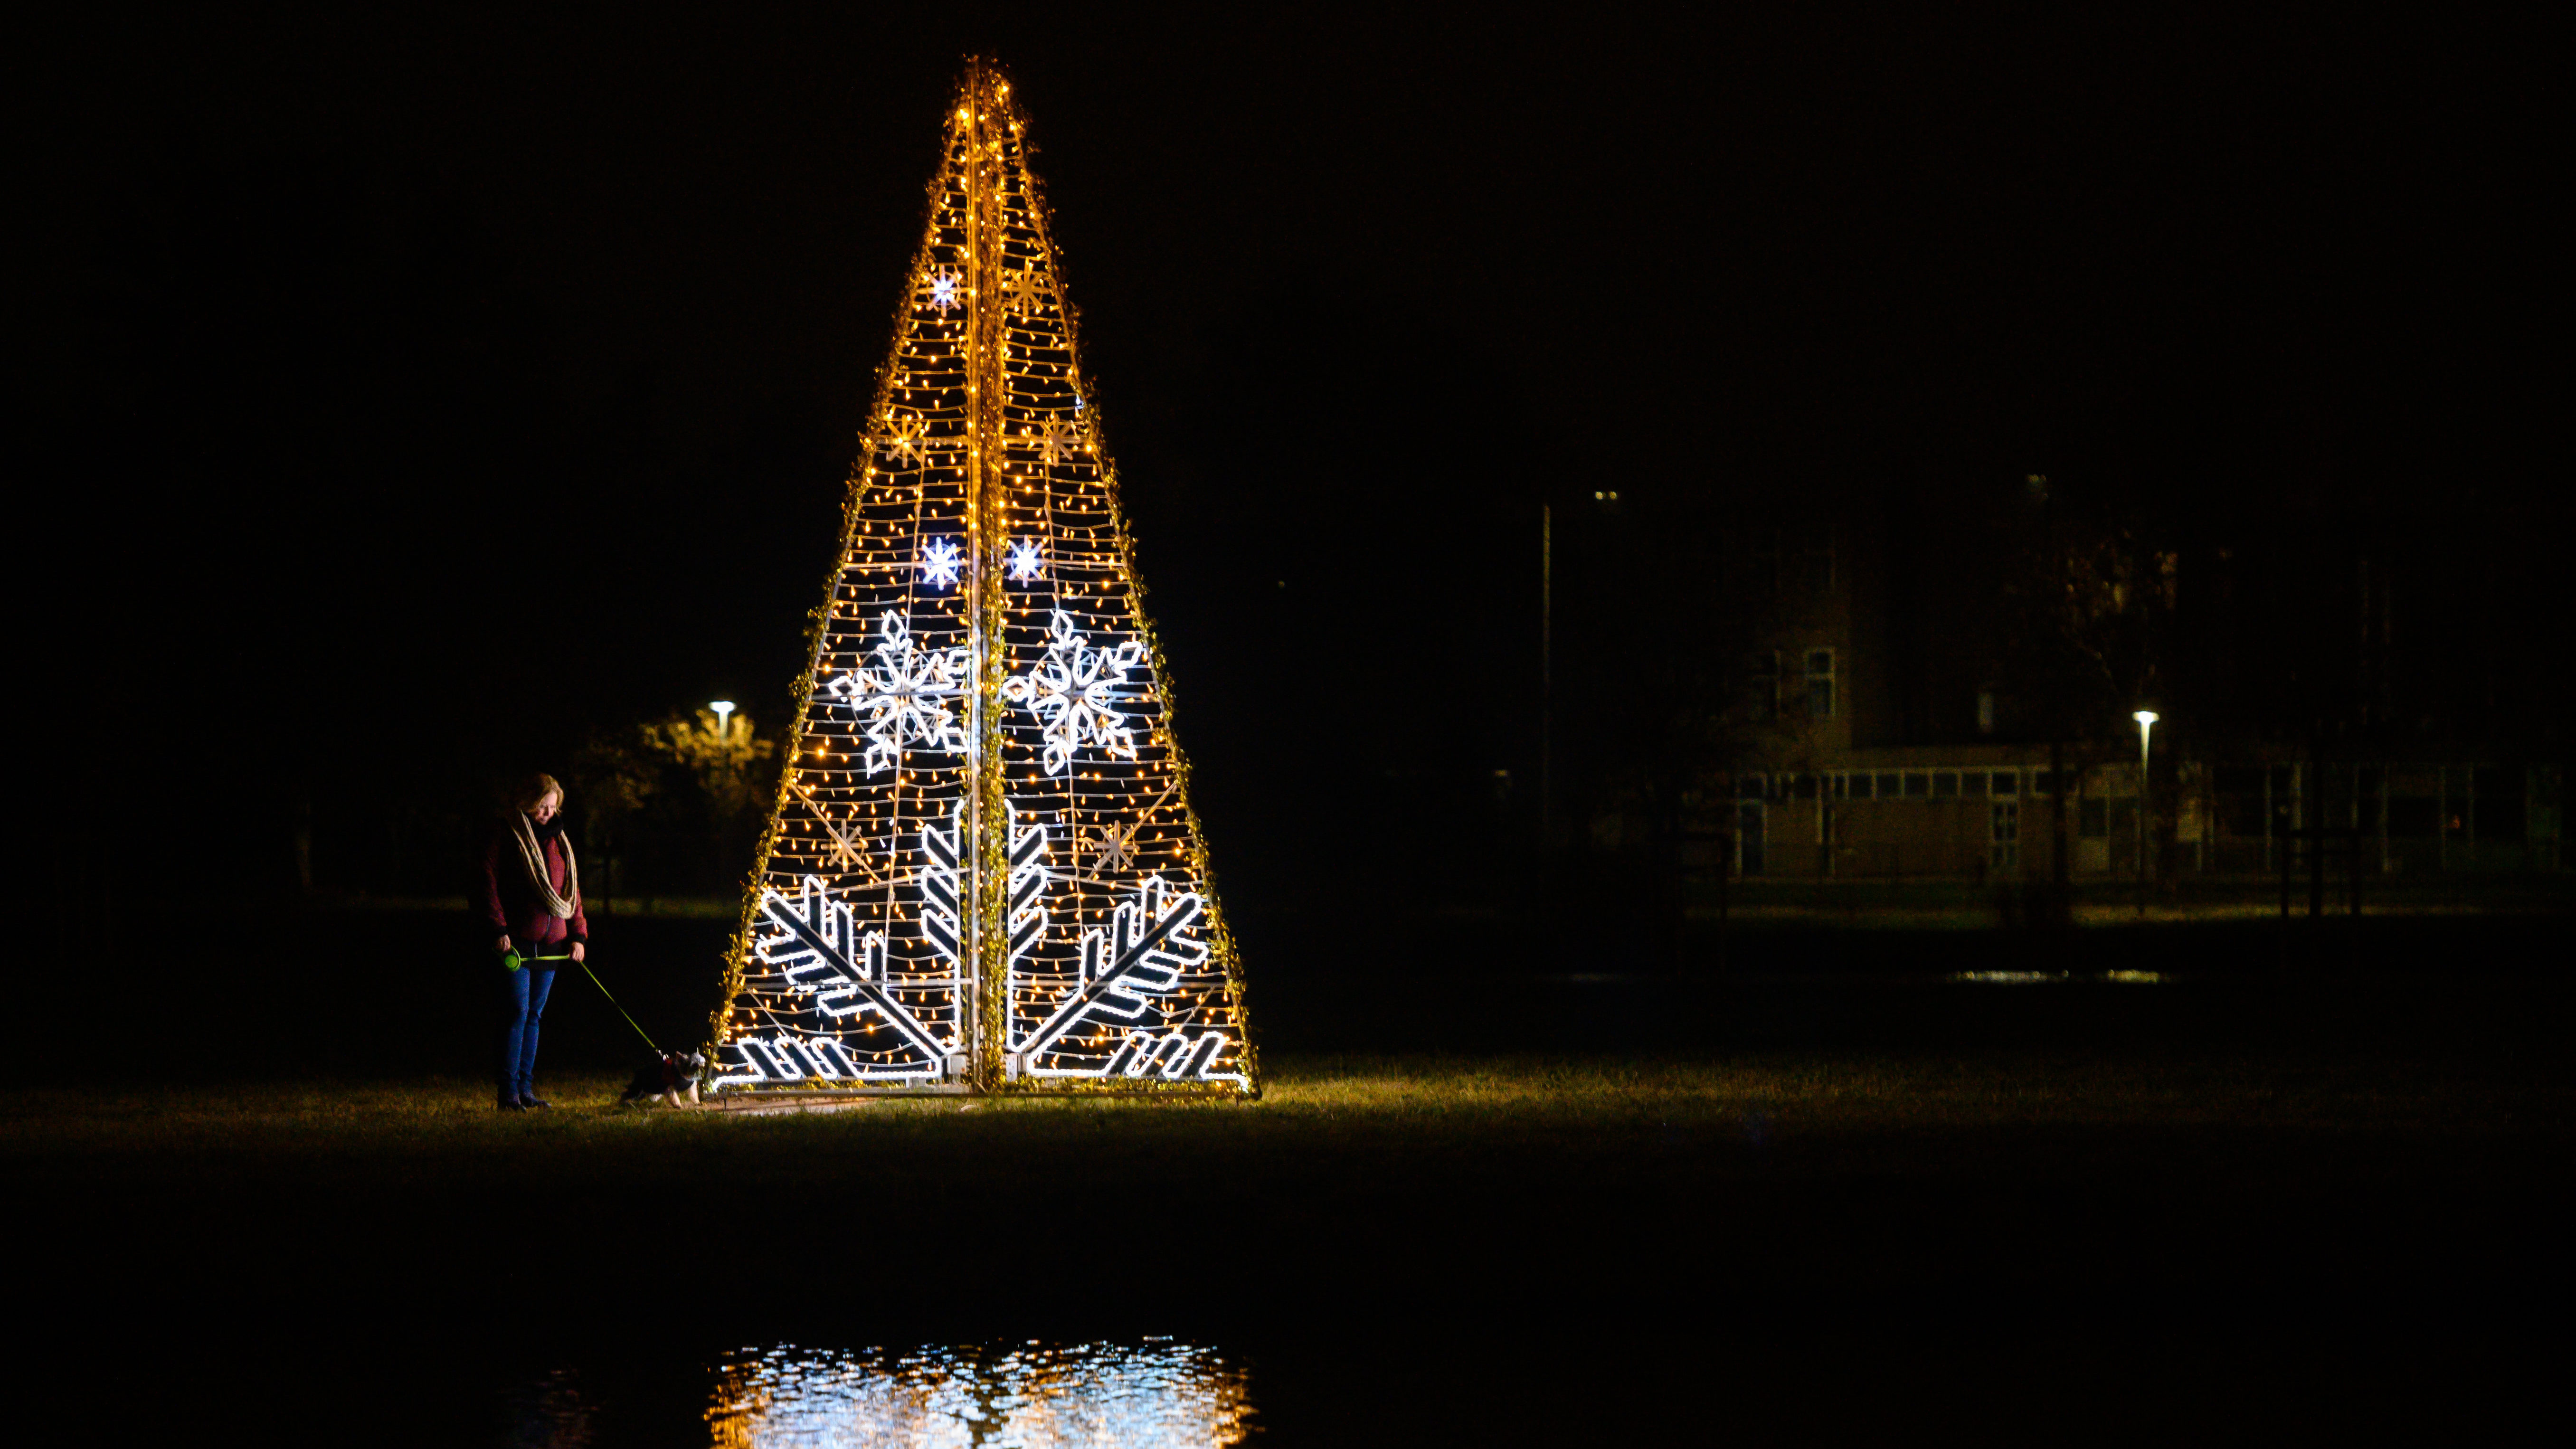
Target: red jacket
{"type": "Point", "coordinates": [509, 901]}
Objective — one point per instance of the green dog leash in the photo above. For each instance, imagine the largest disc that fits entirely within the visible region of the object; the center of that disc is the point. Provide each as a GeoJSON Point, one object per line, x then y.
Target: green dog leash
{"type": "Point", "coordinates": [512, 960]}
{"type": "Point", "coordinates": [621, 1011]}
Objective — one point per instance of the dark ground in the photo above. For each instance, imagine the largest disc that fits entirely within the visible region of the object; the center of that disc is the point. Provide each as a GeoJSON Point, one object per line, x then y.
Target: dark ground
{"type": "Point", "coordinates": [2318, 1193]}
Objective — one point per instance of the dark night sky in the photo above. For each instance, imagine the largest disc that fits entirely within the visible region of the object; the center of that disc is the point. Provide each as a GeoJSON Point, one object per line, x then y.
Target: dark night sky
{"type": "Point", "coordinates": [418, 387]}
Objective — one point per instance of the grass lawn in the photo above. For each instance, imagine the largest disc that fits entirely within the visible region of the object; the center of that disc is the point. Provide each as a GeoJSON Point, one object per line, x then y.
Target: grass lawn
{"type": "Point", "coordinates": [1952, 1191]}
{"type": "Point", "coordinates": [1326, 1105]}
{"type": "Point", "coordinates": [1574, 1180]}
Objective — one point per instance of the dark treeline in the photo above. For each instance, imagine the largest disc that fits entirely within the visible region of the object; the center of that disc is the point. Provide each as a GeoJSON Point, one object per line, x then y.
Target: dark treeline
{"type": "Point", "coordinates": [425, 402]}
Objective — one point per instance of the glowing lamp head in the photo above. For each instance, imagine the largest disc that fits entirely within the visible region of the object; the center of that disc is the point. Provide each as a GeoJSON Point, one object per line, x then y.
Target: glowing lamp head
{"type": "Point", "coordinates": [724, 713]}
{"type": "Point", "coordinates": [2145, 717]}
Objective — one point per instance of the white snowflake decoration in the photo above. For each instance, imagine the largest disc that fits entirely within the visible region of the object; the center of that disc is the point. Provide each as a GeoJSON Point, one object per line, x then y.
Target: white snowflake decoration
{"type": "Point", "coordinates": [943, 907]}
{"type": "Point", "coordinates": [939, 563]}
{"type": "Point", "coordinates": [1025, 890]}
{"type": "Point", "coordinates": [1026, 562]}
{"type": "Point", "coordinates": [1075, 692]}
{"type": "Point", "coordinates": [813, 944]}
{"type": "Point", "coordinates": [943, 290]}
{"type": "Point", "coordinates": [906, 696]}
{"type": "Point", "coordinates": [1129, 971]}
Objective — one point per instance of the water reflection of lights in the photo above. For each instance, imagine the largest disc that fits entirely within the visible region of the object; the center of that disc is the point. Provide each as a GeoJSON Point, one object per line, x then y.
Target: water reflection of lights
{"type": "Point", "coordinates": [1151, 1395]}
{"type": "Point", "coordinates": [2029, 978]}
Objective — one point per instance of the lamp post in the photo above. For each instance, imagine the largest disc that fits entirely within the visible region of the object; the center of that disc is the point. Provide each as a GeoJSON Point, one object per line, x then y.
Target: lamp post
{"type": "Point", "coordinates": [2146, 719]}
{"type": "Point", "coordinates": [724, 715]}
{"type": "Point", "coordinates": [1546, 669]}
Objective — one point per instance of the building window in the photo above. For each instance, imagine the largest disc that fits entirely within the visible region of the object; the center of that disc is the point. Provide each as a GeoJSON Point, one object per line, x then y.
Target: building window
{"type": "Point", "coordinates": [2006, 834]}
{"type": "Point", "coordinates": [1888, 788]}
{"type": "Point", "coordinates": [1973, 782]}
{"type": "Point", "coordinates": [1820, 684]}
{"type": "Point", "coordinates": [1859, 787]}
{"type": "Point", "coordinates": [2499, 797]}
{"type": "Point", "coordinates": [1917, 785]}
{"type": "Point", "coordinates": [1766, 684]}
{"type": "Point", "coordinates": [1945, 784]}
{"type": "Point", "coordinates": [2093, 817]}
{"type": "Point", "coordinates": [2007, 782]}
{"type": "Point", "coordinates": [2414, 818]}
{"type": "Point", "coordinates": [1748, 787]}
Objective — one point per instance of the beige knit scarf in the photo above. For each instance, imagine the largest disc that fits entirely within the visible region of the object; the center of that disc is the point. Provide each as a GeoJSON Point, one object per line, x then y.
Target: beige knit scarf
{"type": "Point", "coordinates": [533, 855]}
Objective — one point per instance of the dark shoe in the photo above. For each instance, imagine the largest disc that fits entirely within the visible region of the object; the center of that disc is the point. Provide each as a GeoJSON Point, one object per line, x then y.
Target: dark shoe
{"type": "Point", "coordinates": [512, 1104]}
{"type": "Point", "coordinates": [537, 1102]}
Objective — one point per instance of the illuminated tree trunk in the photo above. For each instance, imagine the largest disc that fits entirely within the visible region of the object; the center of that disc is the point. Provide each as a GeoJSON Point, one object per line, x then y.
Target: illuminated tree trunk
{"type": "Point", "coordinates": [982, 871]}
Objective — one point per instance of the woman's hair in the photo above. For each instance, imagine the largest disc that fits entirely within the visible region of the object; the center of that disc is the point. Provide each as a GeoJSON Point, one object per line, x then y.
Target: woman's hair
{"type": "Point", "coordinates": [536, 788]}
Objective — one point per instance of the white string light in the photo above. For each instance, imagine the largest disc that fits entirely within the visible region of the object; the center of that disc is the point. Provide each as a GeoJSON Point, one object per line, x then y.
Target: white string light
{"type": "Point", "coordinates": [985, 685]}
{"type": "Point", "coordinates": [1155, 1395]}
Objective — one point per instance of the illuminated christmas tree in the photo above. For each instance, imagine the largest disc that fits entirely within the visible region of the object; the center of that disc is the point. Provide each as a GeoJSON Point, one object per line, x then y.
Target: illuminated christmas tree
{"type": "Point", "coordinates": [982, 869]}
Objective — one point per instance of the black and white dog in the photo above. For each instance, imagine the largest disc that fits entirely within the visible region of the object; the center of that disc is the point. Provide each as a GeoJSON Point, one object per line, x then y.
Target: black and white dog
{"type": "Point", "coordinates": [669, 1076]}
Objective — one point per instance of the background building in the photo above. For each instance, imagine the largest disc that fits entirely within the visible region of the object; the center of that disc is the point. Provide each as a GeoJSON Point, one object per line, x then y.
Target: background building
{"type": "Point", "coordinates": [1956, 701]}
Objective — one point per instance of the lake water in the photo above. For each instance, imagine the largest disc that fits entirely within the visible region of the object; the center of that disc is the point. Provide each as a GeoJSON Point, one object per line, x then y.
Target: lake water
{"type": "Point", "coordinates": [1151, 1394]}
{"type": "Point", "coordinates": [1692, 1281]}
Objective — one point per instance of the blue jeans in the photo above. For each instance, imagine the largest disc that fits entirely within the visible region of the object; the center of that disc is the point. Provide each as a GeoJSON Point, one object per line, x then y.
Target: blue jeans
{"type": "Point", "coordinates": [523, 1006]}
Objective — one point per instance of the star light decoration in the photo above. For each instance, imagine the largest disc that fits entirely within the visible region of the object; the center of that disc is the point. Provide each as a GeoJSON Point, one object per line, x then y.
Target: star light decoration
{"type": "Point", "coordinates": [903, 437]}
{"type": "Point", "coordinates": [1024, 291]}
{"type": "Point", "coordinates": [943, 290]}
{"type": "Point", "coordinates": [1026, 562]}
{"type": "Point", "coordinates": [940, 560]}
{"type": "Point", "coordinates": [1075, 692]}
{"type": "Point", "coordinates": [1110, 848]}
{"type": "Point", "coordinates": [1055, 442]}
{"type": "Point", "coordinates": [846, 852]}
{"type": "Point", "coordinates": [905, 696]}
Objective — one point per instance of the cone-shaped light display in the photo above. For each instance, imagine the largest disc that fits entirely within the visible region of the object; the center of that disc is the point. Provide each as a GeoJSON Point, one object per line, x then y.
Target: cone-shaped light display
{"type": "Point", "coordinates": [982, 871]}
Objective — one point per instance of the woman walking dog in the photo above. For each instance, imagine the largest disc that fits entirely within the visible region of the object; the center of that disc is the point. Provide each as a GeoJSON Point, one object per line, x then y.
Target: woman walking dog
{"type": "Point", "coordinates": [531, 905]}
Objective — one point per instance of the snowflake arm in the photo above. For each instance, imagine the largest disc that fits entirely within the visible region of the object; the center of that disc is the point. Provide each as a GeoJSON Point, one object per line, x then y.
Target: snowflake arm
{"type": "Point", "coordinates": [1075, 692]}
{"type": "Point", "coordinates": [814, 942]}
{"type": "Point", "coordinates": [905, 695]}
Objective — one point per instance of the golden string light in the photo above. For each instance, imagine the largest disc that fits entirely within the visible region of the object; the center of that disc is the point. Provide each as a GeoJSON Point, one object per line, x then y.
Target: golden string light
{"type": "Point", "coordinates": [982, 870]}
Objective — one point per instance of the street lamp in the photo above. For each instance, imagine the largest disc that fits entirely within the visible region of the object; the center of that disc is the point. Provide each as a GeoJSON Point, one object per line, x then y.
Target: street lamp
{"type": "Point", "coordinates": [2146, 719]}
{"type": "Point", "coordinates": [724, 715]}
